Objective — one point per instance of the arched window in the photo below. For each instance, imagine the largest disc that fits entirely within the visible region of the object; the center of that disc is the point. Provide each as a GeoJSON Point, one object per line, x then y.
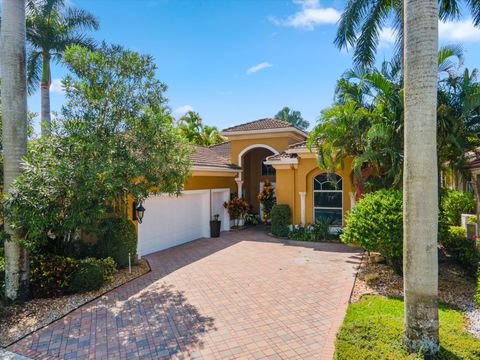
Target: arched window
{"type": "Point", "coordinates": [328, 198]}
{"type": "Point", "coordinates": [267, 170]}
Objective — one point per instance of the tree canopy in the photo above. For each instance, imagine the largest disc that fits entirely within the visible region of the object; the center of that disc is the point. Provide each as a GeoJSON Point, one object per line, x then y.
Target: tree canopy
{"type": "Point", "coordinates": [114, 137]}
{"type": "Point", "coordinates": [192, 127]}
{"type": "Point", "coordinates": [293, 117]}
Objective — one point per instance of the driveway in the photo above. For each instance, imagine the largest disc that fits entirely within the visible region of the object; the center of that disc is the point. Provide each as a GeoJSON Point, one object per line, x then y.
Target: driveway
{"type": "Point", "coordinates": [244, 295]}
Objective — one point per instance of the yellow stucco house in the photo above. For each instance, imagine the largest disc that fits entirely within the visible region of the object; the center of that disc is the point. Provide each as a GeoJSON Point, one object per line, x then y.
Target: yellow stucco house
{"type": "Point", "coordinates": [257, 151]}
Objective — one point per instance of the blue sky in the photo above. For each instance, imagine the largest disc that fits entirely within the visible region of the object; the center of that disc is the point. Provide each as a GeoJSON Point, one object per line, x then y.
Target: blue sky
{"type": "Point", "coordinates": [237, 61]}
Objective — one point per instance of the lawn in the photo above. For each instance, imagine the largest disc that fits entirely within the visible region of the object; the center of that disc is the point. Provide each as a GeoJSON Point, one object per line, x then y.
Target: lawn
{"type": "Point", "coordinates": [373, 329]}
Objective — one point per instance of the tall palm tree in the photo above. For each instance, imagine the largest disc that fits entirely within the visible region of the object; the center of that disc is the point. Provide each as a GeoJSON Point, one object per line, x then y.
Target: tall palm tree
{"type": "Point", "coordinates": [51, 28]}
{"type": "Point", "coordinates": [420, 185]}
{"type": "Point", "coordinates": [363, 20]}
{"type": "Point", "coordinates": [14, 107]}
{"type": "Point", "coordinates": [293, 117]}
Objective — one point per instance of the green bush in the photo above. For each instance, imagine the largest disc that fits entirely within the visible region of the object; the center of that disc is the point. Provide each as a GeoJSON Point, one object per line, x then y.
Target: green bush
{"type": "Point", "coordinates": [462, 249]}
{"type": "Point", "coordinates": [281, 217]}
{"type": "Point", "coordinates": [108, 266]}
{"type": "Point", "coordinates": [376, 223]}
{"type": "Point", "coordinates": [51, 275]}
{"type": "Point", "coordinates": [454, 203]}
{"type": "Point", "coordinates": [87, 277]}
{"type": "Point", "coordinates": [118, 238]}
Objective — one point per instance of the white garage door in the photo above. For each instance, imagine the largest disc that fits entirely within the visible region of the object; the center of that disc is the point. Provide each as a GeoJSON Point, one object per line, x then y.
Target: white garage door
{"type": "Point", "coordinates": [171, 221]}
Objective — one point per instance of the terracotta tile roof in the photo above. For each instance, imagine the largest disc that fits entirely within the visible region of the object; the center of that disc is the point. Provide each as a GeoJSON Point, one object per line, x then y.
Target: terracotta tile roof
{"type": "Point", "coordinates": [299, 145]}
{"type": "Point", "coordinates": [203, 156]}
{"type": "Point", "coordinates": [280, 156]}
{"type": "Point", "coordinates": [222, 149]}
{"type": "Point", "coordinates": [261, 124]}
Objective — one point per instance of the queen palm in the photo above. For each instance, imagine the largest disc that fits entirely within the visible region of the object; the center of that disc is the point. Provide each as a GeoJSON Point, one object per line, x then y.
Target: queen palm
{"type": "Point", "coordinates": [363, 20]}
{"type": "Point", "coordinates": [14, 136]}
{"type": "Point", "coordinates": [420, 185]}
{"type": "Point", "coordinates": [51, 28]}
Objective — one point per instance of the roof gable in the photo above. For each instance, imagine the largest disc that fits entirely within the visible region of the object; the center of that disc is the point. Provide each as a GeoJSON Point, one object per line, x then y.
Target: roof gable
{"type": "Point", "coordinates": [261, 125]}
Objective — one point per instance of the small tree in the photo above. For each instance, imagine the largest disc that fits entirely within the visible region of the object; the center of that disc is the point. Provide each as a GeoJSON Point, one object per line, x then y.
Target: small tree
{"type": "Point", "coordinates": [115, 137]}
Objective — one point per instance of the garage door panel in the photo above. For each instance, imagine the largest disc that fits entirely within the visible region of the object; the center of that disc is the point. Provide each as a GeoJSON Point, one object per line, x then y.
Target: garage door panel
{"type": "Point", "coordinates": [171, 221]}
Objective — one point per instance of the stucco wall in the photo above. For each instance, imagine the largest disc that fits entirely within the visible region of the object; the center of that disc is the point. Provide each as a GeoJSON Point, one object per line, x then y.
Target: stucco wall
{"type": "Point", "coordinates": [211, 182]}
{"type": "Point", "coordinates": [290, 182]}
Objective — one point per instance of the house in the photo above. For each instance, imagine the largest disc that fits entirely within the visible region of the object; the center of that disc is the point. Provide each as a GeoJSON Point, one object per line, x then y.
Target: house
{"type": "Point", "coordinates": [257, 151]}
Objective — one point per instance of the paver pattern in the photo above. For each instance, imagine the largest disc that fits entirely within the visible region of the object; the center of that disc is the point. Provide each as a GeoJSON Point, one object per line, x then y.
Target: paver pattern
{"type": "Point", "coordinates": [241, 296]}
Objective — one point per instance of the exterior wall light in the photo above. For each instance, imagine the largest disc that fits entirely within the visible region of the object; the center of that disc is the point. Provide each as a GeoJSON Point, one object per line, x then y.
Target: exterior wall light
{"type": "Point", "coordinates": [138, 212]}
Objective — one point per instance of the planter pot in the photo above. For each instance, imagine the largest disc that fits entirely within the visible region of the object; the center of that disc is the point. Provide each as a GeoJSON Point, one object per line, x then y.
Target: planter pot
{"type": "Point", "coordinates": [215, 228]}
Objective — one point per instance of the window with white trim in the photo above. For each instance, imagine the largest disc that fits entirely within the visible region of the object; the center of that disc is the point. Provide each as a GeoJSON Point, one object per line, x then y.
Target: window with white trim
{"type": "Point", "coordinates": [328, 198]}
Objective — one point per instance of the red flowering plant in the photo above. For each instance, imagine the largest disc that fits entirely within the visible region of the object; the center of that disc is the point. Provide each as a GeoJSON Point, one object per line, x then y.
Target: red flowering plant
{"type": "Point", "coordinates": [237, 208]}
{"type": "Point", "coordinates": [267, 199]}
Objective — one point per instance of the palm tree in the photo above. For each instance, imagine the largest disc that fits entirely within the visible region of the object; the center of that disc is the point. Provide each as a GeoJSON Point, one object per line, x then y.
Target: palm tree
{"type": "Point", "coordinates": [14, 107]}
{"type": "Point", "coordinates": [293, 117]}
{"type": "Point", "coordinates": [51, 28]}
{"type": "Point", "coordinates": [420, 185]}
{"type": "Point", "coordinates": [191, 126]}
{"type": "Point", "coordinates": [363, 20]}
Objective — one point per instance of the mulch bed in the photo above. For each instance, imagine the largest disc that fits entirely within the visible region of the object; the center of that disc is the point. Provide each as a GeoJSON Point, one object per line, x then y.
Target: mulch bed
{"type": "Point", "coordinates": [21, 319]}
{"type": "Point", "coordinates": [455, 287]}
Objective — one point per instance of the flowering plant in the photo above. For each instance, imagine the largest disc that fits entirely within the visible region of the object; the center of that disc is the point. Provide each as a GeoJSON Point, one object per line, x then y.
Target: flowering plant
{"type": "Point", "coordinates": [267, 199]}
{"type": "Point", "coordinates": [236, 207]}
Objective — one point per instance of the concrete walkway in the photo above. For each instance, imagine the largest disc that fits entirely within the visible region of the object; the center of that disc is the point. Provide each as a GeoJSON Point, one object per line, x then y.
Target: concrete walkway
{"type": "Point", "coordinates": [242, 296]}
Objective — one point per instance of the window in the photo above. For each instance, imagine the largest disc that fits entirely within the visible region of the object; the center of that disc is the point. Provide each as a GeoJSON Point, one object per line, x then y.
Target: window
{"type": "Point", "coordinates": [328, 198]}
{"type": "Point", "coordinates": [267, 170]}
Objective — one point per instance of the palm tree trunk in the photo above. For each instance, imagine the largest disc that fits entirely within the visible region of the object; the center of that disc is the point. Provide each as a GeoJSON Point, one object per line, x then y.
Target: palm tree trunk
{"type": "Point", "coordinates": [45, 95]}
{"type": "Point", "coordinates": [420, 184]}
{"type": "Point", "coordinates": [14, 101]}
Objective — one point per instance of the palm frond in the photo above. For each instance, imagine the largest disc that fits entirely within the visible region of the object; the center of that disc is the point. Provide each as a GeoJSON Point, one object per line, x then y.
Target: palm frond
{"type": "Point", "coordinates": [34, 70]}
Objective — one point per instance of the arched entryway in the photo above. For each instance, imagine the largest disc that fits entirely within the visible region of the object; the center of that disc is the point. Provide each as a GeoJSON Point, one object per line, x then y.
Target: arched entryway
{"type": "Point", "coordinates": [255, 172]}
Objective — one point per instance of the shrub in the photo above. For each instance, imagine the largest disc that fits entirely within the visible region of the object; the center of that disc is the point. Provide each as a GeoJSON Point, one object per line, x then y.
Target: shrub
{"type": "Point", "coordinates": [376, 223]}
{"type": "Point", "coordinates": [108, 266]}
{"type": "Point", "coordinates": [87, 277]}
{"type": "Point", "coordinates": [462, 249]}
{"type": "Point", "coordinates": [455, 203]}
{"type": "Point", "coordinates": [281, 218]}
{"type": "Point", "coordinates": [51, 275]}
{"type": "Point", "coordinates": [236, 207]}
{"type": "Point", "coordinates": [267, 199]}
{"type": "Point", "coordinates": [118, 238]}
{"type": "Point", "coordinates": [320, 231]}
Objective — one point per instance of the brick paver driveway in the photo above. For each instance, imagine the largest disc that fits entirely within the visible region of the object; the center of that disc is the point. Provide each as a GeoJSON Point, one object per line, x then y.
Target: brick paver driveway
{"type": "Point", "coordinates": [244, 295]}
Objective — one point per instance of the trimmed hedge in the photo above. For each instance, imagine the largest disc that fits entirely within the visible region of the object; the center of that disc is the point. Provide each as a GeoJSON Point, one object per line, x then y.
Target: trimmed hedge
{"type": "Point", "coordinates": [281, 218]}
{"type": "Point", "coordinates": [376, 224]}
{"type": "Point", "coordinates": [455, 203]}
{"type": "Point", "coordinates": [118, 238]}
{"type": "Point", "coordinates": [462, 249]}
{"type": "Point", "coordinates": [87, 277]}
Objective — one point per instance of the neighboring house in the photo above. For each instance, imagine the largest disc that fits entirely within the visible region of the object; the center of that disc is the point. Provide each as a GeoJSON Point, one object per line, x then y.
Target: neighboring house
{"type": "Point", "coordinates": [463, 181]}
{"type": "Point", "coordinates": [261, 150]}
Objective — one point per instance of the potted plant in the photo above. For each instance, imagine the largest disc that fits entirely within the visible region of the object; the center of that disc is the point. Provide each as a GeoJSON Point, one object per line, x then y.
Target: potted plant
{"type": "Point", "coordinates": [237, 208]}
{"type": "Point", "coordinates": [215, 226]}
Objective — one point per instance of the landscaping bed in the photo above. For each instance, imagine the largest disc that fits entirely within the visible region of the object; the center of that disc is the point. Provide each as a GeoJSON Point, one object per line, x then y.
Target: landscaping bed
{"type": "Point", "coordinates": [21, 319]}
{"type": "Point", "coordinates": [373, 325]}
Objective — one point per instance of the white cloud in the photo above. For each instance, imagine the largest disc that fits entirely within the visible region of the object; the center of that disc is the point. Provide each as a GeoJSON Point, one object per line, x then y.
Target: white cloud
{"type": "Point", "coordinates": [458, 31]}
{"type": "Point", "coordinates": [461, 31]}
{"type": "Point", "coordinates": [310, 15]}
{"type": "Point", "coordinates": [183, 109]}
{"type": "Point", "coordinates": [387, 37]}
{"type": "Point", "coordinates": [258, 67]}
{"type": "Point", "coordinates": [56, 86]}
